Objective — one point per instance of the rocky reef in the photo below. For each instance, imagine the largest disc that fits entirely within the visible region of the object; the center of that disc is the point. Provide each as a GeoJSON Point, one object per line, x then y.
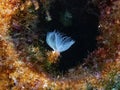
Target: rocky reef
{"type": "Point", "coordinates": [26, 61]}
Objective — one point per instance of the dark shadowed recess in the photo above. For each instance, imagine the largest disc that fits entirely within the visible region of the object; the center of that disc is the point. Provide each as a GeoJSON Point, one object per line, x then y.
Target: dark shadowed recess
{"type": "Point", "coordinates": [78, 19]}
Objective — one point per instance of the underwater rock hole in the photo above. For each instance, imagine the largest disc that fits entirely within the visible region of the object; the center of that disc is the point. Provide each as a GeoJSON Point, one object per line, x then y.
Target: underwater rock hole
{"type": "Point", "coordinates": [77, 19]}
{"type": "Point", "coordinates": [80, 21]}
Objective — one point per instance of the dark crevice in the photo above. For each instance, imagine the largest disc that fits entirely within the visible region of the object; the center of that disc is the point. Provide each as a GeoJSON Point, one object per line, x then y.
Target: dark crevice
{"type": "Point", "coordinates": [82, 27]}
{"type": "Point", "coordinates": [78, 19]}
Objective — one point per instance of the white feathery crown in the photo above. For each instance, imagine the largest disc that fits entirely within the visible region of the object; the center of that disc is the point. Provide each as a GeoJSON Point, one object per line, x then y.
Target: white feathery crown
{"type": "Point", "coordinates": [58, 42]}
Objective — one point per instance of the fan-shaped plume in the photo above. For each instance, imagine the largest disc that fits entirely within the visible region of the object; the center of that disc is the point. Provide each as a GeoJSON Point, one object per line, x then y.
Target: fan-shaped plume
{"type": "Point", "coordinates": [58, 42]}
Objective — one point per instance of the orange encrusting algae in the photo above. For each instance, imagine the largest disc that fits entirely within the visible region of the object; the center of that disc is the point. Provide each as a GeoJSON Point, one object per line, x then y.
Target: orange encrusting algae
{"type": "Point", "coordinates": [7, 9]}
{"type": "Point", "coordinates": [53, 56]}
{"type": "Point", "coordinates": [7, 53]}
{"type": "Point", "coordinates": [12, 71]}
